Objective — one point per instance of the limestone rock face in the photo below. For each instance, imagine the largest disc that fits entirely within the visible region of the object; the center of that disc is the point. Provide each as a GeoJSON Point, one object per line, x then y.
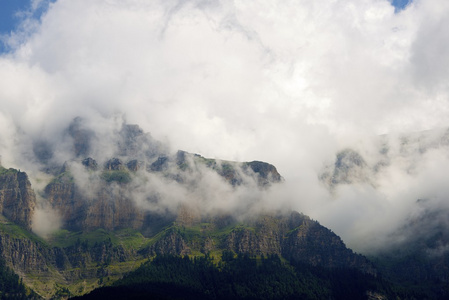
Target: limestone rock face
{"type": "Point", "coordinates": [293, 236]}
{"type": "Point", "coordinates": [17, 199]}
{"type": "Point", "coordinates": [296, 237]}
{"type": "Point", "coordinates": [134, 165]}
{"type": "Point", "coordinates": [112, 210]}
{"type": "Point", "coordinates": [349, 167]}
{"type": "Point", "coordinates": [134, 142]}
{"type": "Point", "coordinates": [82, 137]}
{"type": "Point", "coordinates": [266, 172]}
{"type": "Point", "coordinates": [314, 244]}
{"type": "Point", "coordinates": [90, 164]}
{"type": "Point", "coordinates": [171, 243]}
{"type": "Point", "coordinates": [160, 164]}
{"type": "Point", "coordinates": [65, 198]}
{"type": "Point", "coordinates": [24, 255]}
{"type": "Point", "coordinates": [114, 164]}
{"type": "Point", "coordinates": [109, 207]}
{"type": "Point", "coordinates": [114, 191]}
{"type": "Point", "coordinates": [263, 236]}
{"type": "Point", "coordinates": [35, 261]}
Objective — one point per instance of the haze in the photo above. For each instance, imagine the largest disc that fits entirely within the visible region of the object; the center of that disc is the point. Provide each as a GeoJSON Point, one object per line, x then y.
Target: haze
{"type": "Point", "coordinates": [286, 82]}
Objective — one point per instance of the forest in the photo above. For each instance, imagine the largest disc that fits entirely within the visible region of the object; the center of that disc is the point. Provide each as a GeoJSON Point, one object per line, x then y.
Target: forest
{"type": "Point", "coordinates": [241, 277]}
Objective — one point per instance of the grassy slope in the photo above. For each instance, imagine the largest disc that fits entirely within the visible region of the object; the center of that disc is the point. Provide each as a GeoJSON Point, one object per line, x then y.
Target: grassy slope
{"type": "Point", "coordinates": [54, 281]}
{"type": "Point", "coordinates": [47, 283]}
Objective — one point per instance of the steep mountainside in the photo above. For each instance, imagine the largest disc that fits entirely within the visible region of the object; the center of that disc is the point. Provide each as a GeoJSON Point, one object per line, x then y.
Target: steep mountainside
{"type": "Point", "coordinates": [90, 252]}
{"type": "Point", "coordinates": [108, 200]}
{"type": "Point", "coordinates": [123, 198]}
{"type": "Point", "coordinates": [241, 277]}
{"type": "Point", "coordinates": [17, 198]}
{"type": "Point", "coordinates": [416, 252]}
{"type": "Point", "coordinates": [293, 236]}
{"type": "Point", "coordinates": [421, 255]}
{"type": "Point", "coordinates": [101, 256]}
{"type": "Point", "coordinates": [128, 188]}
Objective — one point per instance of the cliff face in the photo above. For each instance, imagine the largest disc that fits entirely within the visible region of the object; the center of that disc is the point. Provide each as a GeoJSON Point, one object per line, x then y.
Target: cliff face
{"type": "Point", "coordinates": [44, 267]}
{"type": "Point", "coordinates": [263, 235]}
{"type": "Point", "coordinates": [28, 256]}
{"type": "Point", "coordinates": [109, 208]}
{"type": "Point", "coordinates": [64, 197]}
{"type": "Point", "coordinates": [90, 196]}
{"type": "Point", "coordinates": [293, 236]}
{"type": "Point", "coordinates": [172, 243]}
{"type": "Point", "coordinates": [112, 210]}
{"type": "Point", "coordinates": [266, 173]}
{"type": "Point", "coordinates": [314, 244]}
{"type": "Point", "coordinates": [109, 203]}
{"type": "Point", "coordinates": [82, 137]}
{"type": "Point", "coordinates": [349, 167]}
{"type": "Point", "coordinates": [17, 199]}
{"type": "Point", "coordinates": [24, 255]}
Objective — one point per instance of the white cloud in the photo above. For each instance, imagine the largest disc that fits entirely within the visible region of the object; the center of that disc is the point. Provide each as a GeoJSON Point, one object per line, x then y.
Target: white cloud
{"type": "Point", "coordinates": [288, 82]}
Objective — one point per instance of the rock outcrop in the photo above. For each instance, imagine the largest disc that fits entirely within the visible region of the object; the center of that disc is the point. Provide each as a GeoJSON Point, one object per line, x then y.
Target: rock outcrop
{"type": "Point", "coordinates": [293, 236]}
{"type": "Point", "coordinates": [108, 194]}
{"type": "Point", "coordinates": [17, 198]}
{"type": "Point", "coordinates": [349, 167]}
{"type": "Point", "coordinates": [42, 266]}
{"type": "Point", "coordinates": [311, 243]}
{"type": "Point", "coordinates": [171, 243]}
{"type": "Point", "coordinates": [90, 163]}
{"type": "Point", "coordinates": [108, 207]}
{"type": "Point", "coordinates": [82, 137]}
{"type": "Point", "coordinates": [111, 210]}
{"type": "Point", "coordinates": [266, 173]}
{"type": "Point", "coordinates": [67, 200]}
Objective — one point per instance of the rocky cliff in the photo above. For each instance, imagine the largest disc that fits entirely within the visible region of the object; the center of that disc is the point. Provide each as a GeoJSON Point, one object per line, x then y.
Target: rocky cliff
{"type": "Point", "coordinates": [17, 198]}
{"type": "Point", "coordinates": [110, 252]}
{"type": "Point", "coordinates": [293, 236]}
{"type": "Point", "coordinates": [141, 200]}
{"type": "Point", "coordinates": [109, 199]}
{"type": "Point", "coordinates": [108, 206]}
{"type": "Point", "coordinates": [103, 192]}
{"type": "Point", "coordinates": [44, 267]}
{"type": "Point", "coordinates": [314, 244]}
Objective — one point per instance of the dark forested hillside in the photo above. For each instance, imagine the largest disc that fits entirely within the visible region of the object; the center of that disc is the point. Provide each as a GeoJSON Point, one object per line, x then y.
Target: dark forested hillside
{"type": "Point", "coordinates": [240, 277]}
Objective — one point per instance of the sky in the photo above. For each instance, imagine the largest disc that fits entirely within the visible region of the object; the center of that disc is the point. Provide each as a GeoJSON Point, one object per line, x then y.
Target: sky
{"type": "Point", "coordinates": [13, 12]}
{"type": "Point", "coordinates": [286, 82]}
{"type": "Point", "coordinates": [16, 13]}
{"type": "Point", "coordinates": [9, 14]}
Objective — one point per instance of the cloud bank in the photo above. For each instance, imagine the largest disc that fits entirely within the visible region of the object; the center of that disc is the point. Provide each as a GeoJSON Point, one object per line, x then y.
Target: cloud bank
{"type": "Point", "coordinates": [289, 82]}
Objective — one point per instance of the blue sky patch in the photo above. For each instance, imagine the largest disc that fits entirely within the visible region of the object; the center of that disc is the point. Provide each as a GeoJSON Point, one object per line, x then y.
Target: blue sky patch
{"type": "Point", "coordinates": [12, 13]}
{"type": "Point", "coordinates": [400, 4]}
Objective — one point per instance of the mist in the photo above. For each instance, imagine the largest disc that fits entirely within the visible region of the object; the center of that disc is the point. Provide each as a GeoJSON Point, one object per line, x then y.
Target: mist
{"type": "Point", "coordinates": [290, 83]}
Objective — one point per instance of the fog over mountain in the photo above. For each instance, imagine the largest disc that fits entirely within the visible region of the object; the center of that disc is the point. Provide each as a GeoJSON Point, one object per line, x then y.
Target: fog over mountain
{"type": "Point", "coordinates": [348, 99]}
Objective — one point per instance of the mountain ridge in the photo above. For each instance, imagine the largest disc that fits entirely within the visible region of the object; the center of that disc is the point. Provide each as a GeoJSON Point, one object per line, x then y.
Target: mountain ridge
{"type": "Point", "coordinates": [136, 200]}
{"type": "Point", "coordinates": [182, 233]}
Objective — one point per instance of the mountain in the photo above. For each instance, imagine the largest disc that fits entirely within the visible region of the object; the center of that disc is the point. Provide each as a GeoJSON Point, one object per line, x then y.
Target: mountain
{"type": "Point", "coordinates": [98, 256]}
{"type": "Point", "coordinates": [421, 255]}
{"type": "Point", "coordinates": [121, 198]}
{"type": "Point", "coordinates": [414, 253]}
{"type": "Point", "coordinates": [240, 277]}
{"type": "Point", "coordinates": [111, 200]}
{"type": "Point", "coordinates": [17, 198]}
